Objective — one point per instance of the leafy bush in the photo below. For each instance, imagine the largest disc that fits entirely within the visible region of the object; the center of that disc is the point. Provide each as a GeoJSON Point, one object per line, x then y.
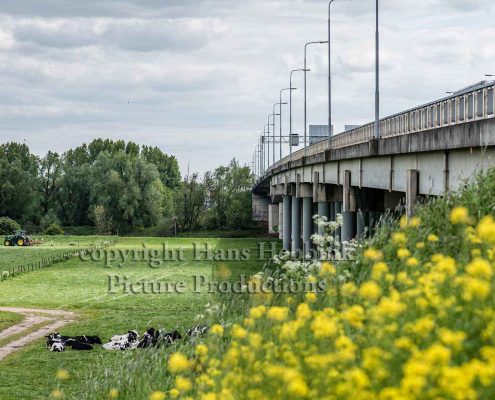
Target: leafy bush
{"type": "Point", "coordinates": [8, 226]}
{"type": "Point", "coordinates": [53, 230]}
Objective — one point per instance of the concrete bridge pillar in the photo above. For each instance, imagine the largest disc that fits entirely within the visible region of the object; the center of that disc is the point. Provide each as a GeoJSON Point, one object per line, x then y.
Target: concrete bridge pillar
{"type": "Point", "coordinates": [338, 210]}
{"type": "Point", "coordinates": [280, 221]}
{"type": "Point", "coordinates": [362, 218]}
{"type": "Point", "coordinates": [411, 191]}
{"type": "Point", "coordinates": [349, 210]}
{"type": "Point", "coordinates": [273, 223]}
{"type": "Point", "coordinates": [307, 225]}
{"type": "Point", "coordinates": [286, 231]}
{"type": "Point", "coordinates": [260, 208]}
{"type": "Point", "coordinates": [332, 214]}
{"type": "Point", "coordinates": [323, 211]}
{"type": "Point", "coordinates": [296, 224]}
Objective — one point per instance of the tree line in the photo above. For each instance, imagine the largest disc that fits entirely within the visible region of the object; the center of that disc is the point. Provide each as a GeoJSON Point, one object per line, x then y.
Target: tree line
{"type": "Point", "coordinates": [117, 185]}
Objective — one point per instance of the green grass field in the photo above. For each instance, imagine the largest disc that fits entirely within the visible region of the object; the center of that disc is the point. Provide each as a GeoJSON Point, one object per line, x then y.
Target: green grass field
{"type": "Point", "coordinates": [82, 286]}
{"type": "Point", "coordinates": [8, 319]}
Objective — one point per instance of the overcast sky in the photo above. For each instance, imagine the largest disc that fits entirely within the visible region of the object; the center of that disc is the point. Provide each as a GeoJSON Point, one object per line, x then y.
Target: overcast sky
{"type": "Point", "coordinates": [199, 77]}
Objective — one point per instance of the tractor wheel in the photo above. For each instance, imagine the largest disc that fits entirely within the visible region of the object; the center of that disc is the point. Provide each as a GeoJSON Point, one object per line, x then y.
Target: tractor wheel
{"type": "Point", "coordinates": [6, 243]}
{"type": "Point", "coordinates": [20, 242]}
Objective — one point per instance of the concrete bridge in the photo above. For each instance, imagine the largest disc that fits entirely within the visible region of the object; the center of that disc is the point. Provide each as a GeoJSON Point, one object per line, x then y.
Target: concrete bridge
{"type": "Point", "coordinates": [425, 151]}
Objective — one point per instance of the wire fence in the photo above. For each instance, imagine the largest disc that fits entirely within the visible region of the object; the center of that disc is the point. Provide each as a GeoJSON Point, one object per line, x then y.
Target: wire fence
{"type": "Point", "coordinates": [49, 261]}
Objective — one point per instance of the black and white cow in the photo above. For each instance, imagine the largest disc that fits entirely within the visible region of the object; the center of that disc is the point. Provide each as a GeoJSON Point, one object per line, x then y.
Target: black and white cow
{"type": "Point", "coordinates": [57, 342]}
{"type": "Point", "coordinates": [129, 340]}
{"type": "Point", "coordinates": [196, 330]}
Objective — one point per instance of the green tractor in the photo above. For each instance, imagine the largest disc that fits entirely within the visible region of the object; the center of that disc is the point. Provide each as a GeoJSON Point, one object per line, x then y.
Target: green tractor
{"type": "Point", "coordinates": [18, 239]}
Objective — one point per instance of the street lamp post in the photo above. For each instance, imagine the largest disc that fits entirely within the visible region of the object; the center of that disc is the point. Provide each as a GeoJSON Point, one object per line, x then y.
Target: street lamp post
{"type": "Point", "coordinates": [329, 76]}
{"type": "Point", "coordinates": [305, 93]}
{"type": "Point", "coordinates": [290, 108]}
{"type": "Point", "coordinates": [280, 120]}
{"type": "Point", "coordinates": [273, 132]}
{"type": "Point", "coordinates": [377, 76]}
{"type": "Point", "coordinates": [270, 124]}
{"type": "Point", "coordinates": [266, 154]}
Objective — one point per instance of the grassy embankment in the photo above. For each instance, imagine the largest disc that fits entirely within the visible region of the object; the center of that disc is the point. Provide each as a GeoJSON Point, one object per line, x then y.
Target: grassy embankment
{"type": "Point", "coordinates": [413, 317]}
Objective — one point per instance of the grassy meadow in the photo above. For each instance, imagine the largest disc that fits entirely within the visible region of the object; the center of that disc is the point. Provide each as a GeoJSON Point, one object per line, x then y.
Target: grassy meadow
{"type": "Point", "coordinates": [82, 287]}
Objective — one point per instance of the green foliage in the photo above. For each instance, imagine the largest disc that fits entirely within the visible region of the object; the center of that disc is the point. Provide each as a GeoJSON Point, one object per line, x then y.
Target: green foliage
{"type": "Point", "coordinates": [54, 230]}
{"type": "Point", "coordinates": [8, 226]}
{"type": "Point", "coordinates": [167, 166]}
{"type": "Point", "coordinates": [18, 179]}
{"type": "Point", "coordinates": [137, 187]}
{"type": "Point", "coordinates": [190, 202]}
{"type": "Point", "coordinates": [229, 191]}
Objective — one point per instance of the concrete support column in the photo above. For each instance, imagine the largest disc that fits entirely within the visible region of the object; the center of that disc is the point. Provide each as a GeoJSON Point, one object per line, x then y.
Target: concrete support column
{"type": "Point", "coordinates": [349, 211]}
{"type": "Point", "coordinates": [323, 211]}
{"type": "Point", "coordinates": [280, 221]}
{"type": "Point", "coordinates": [362, 223]}
{"type": "Point", "coordinates": [332, 211]}
{"type": "Point", "coordinates": [338, 210]}
{"type": "Point", "coordinates": [286, 232]}
{"type": "Point", "coordinates": [307, 225]}
{"type": "Point", "coordinates": [411, 191]}
{"type": "Point", "coordinates": [296, 224]}
{"type": "Point", "coordinates": [273, 218]}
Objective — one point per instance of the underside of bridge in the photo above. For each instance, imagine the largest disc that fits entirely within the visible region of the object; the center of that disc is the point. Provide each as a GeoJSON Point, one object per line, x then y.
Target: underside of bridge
{"type": "Point", "coordinates": [363, 181]}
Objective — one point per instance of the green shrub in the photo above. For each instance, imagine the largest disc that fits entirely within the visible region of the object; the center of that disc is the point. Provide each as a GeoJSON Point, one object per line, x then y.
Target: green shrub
{"type": "Point", "coordinates": [8, 226]}
{"type": "Point", "coordinates": [54, 229]}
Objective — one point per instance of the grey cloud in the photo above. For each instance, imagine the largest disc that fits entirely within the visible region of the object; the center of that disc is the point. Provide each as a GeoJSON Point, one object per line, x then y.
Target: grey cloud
{"type": "Point", "coordinates": [127, 34]}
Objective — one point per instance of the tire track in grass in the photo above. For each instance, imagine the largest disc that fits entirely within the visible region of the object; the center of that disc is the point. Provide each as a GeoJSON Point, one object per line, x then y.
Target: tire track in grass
{"type": "Point", "coordinates": [54, 319]}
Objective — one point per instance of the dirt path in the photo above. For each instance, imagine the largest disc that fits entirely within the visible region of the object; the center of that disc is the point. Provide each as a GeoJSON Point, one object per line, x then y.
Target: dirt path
{"type": "Point", "coordinates": [54, 319]}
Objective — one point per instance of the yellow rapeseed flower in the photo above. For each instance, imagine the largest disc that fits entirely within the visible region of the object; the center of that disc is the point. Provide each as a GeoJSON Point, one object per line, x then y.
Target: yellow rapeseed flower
{"type": "Point", "coordinates": [432, 238]}
{"type": "Point", "coordinates": [201, 350]}
{"type": "Point", "coordinates": [327, 269]}
{"type": "Point", "coordinates": [63, 374]}
{"type": "Point", "coordinates": [303, 311]}
{"type": "Point", "coordinates": [412, 262]}
{"type": "Point", "coordinates": [178, 362]}
{"type": "Point", "coordinates": [420, 245]}
{"type": "Point", "coordinates": [370, 290]}
{"type": "Point", "coordinates": [217, 330]}
{"type": "Point", "coordinates": [277, 313]}
{"type": "Point", "coordinates": [415, 222]}
{"type": "Point", "coordinates": [311, 297]}
{"type": "Point", "coordinates": [298, 388]}
{"type": "Point", "coordinates": [57, 394]}
{"type": "Point", "coordinates": [399, 238]}
{"type": "Point", "coordinates": [157, 395]}
{"type": "Point", "coordinates": [373, 254]}
{"type": "Point", "coordinates": [379, 269]}
{"type": "Point", "coordinates": [323, 326]}
{"type": "Point", "coordinates": [257, 312]}
{"type": "Point", "coordinates": [238, 332]}
{"type": "Point", "coordinates": [403, 253]}
{"type": "Point", "coordinates": [113, 394]}
{"type": "Point", "coordinates": [183, 384]}
{"type": "Point", "coordinates": [348, 289]}
{"type": "Point", "coordinates": [480, 268]}
{"type": "Point", "coordinates": [459, 215]}
{"type": "Point", "coordinates": [486, 229]}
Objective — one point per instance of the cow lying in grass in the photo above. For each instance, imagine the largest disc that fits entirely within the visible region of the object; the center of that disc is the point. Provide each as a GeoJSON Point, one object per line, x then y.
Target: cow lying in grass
{"type": "Point", "coordinates": [153, 338]}
{"type": "Point", "coordinates": [129, 340]}
{"type": "Point", "coordinates": [57, 343]}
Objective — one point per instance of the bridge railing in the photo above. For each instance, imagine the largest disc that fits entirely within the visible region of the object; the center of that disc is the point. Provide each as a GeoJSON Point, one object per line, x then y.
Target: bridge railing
{"type": "Point", "coordinates": [467, 106]}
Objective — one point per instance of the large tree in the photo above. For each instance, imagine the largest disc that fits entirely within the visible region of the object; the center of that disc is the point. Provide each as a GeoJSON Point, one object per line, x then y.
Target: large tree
{"type": "Point", "coordinates": [229, 196]}
{"type": "Point", "coordinates": [18, 180]}
{"type": "Point", "coordinates": [189, 202]}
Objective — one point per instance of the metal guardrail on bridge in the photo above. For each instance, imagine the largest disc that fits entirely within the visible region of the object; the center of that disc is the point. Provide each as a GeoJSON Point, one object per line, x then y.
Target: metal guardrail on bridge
{"type": "Point", "coordinates": [462, 107]}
